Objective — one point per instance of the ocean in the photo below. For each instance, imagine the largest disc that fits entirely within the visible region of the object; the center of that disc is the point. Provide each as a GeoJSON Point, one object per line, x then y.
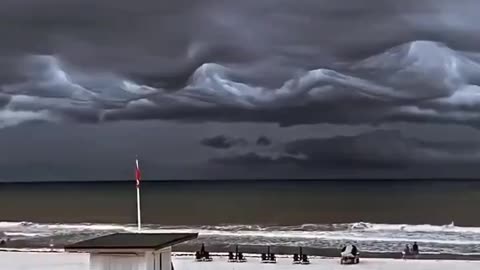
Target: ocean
{"type": "Point", "coordinates": [378, 216]}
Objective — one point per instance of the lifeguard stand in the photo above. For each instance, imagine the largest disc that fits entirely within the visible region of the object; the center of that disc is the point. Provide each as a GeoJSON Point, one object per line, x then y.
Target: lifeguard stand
{"type": "Point", "coordinates": [131, 251]}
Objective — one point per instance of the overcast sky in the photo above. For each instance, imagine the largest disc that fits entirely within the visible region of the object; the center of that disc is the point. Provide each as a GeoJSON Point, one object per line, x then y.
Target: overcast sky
{"type": "Point", "coordinates": [209, 89]}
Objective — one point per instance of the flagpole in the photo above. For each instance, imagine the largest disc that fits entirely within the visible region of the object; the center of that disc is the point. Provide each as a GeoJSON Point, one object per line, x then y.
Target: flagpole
{"type": "Point", "coordinates": [139, 221]}
{"type": "Point", "coordinates": [137, 179]}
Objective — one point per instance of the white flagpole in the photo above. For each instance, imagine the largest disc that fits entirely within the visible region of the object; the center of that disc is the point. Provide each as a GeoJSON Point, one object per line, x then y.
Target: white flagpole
{"type": "Point", "coordinates": [137, 179]}
{"type": "Point", "coordinates": [139, 221]}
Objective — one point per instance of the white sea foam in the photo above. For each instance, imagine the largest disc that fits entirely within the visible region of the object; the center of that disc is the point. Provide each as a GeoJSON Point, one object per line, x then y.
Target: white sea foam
{"type": "Point", "coordinates": [372, 236]}
{"type": "Point", "coordinates": [7, 224]}
{"type": "Point", "coordinates": [84, 226]}
{"type": "Point", "coordinates": [335, 235]}
{"type": "Point", "coordinates": [415, 228]}
{"type": "Point", "coordinates": [219, 229]}
{"type": "Point", "coordinates": [26, 234]}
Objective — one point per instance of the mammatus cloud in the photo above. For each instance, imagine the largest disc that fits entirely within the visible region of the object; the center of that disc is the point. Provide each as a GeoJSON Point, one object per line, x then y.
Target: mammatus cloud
{"type": "Point", "coordinates": [223, 142]}
{"type": "Point", "coordinates": [263, 141]}
{"type": "Point", "coordinates": [381, 149]}
{"type": "Point", "coordinates": [420, 81]}
{"type": "Point", "coordinates": [239, 150]}
{"type": "Point", "coordinates": [226, 142]}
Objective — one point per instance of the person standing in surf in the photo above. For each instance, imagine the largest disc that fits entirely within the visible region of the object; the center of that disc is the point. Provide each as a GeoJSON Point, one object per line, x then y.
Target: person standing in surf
{"type": "Point", "coordinates": [415, 249]}
{"type": "Point", "coordinates": [406, 251]}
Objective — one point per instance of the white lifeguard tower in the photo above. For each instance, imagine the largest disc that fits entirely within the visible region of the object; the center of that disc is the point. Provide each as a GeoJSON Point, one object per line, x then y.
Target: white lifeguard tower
{"type": "Point", "coordinates": [131, 251]}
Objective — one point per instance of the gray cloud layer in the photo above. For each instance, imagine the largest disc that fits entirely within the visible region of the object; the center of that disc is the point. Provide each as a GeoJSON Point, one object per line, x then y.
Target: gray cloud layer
{"type": "Point", "coordinates": [168, 150]}
{"type": "Point", "coordinates": [263, 141]}
{"type": "Point", "coordinates": [268, 61]}
{"type": "Point", "coordinates": [383, 149]}
{"type": "Point", "coordinates": [319, 69]}
{"type": "Point", "coordinates": [223, 142]}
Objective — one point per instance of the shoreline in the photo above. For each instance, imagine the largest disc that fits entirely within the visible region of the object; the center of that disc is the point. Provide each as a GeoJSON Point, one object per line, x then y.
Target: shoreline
{"type": "Point", "coordinates": [280, 251]}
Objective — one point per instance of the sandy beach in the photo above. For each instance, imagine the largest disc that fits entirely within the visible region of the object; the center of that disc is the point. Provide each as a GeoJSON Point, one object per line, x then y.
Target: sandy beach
{"type": "Point", "coordinates": [29, 260]}
{"type": "Point", "coordinates": [43, 261]}
{"type": "Point", "coordinates": [184, 263]}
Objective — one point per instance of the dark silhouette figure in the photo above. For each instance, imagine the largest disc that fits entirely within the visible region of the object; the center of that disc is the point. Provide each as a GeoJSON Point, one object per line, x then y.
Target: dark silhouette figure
{"type": "Point", "coordinates": [415, 248]}
{"type": "Point", "coordinates": [406, 251]}
{"type": "Point", "coordinates": [296, 258]}
{"type": "Point", "coordinates": [203, 255]}
{"type": "Point", "coordinates": [350, 255]}
{"type": "Point", "coordinates": [354, 250]}
{"type": "Point", "coordinates": [230, 256]}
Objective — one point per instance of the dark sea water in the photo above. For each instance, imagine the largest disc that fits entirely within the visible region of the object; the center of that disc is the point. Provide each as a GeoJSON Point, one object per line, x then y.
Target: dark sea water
{"type": "Point", "coordinates": [376, 215]}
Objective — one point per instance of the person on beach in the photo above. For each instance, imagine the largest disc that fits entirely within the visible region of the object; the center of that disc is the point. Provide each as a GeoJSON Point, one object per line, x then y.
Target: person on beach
{"type": "Point", "coordinates": [354, 250]}
{"type": "Point", "coordinates": [350, 255]}
{"type": "Point", "coordinates": [415, 248]}
{"type": "Point", "coordinates": [406, 251]}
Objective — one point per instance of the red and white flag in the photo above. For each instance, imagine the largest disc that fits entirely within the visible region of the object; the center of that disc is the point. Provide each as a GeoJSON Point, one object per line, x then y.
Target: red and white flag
{"type": "Point", "coordinates": [137, 173]}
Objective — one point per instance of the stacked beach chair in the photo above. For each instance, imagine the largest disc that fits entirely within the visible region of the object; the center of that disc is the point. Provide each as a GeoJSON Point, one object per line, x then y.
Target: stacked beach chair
{"type": "Point", "coordinates": [300, 258]}
{"type": "Point", "coordinates": [269, 257]}
{"type": "Point", "coordinates": [202, 255]}
{"type": "Point", "coordinates": [237, 257]}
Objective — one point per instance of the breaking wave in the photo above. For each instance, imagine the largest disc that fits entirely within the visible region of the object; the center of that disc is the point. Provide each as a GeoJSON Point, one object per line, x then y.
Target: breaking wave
{"type": "Point", "coordinates": [416, 80]}
{"type": "Point", "coordinates": [357, 226]}
{"type": "Point", "coordinates": [370, 236]}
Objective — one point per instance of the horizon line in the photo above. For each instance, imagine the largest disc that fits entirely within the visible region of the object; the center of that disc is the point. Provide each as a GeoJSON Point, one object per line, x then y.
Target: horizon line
{"type": "Point", "coordinates": [123, 181]}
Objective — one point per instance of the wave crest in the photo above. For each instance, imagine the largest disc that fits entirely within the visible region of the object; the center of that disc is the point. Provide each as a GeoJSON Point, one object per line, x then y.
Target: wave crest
{"type": "Point", "coordinates": [369, 236]}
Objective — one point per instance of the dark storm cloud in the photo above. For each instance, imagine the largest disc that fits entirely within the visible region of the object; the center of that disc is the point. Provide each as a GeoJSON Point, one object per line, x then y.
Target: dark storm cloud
{"type": "Point", "coordinates": [255, 159]}
{"type": "Point", "coordinates": [382, 149]}
{"type": "Point", "coordinates": [263, 141]}
{"type": "Point", "coordinates": [281, 62]}
{"type": "Point", "coordinates": [223, 142]}
{"type": "Point", "coordinates": [226, 142]}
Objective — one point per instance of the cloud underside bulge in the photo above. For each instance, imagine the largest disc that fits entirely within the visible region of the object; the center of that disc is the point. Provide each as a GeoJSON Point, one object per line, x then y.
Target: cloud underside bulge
{"type": "Point", "coordinates": [419, 81]}
{"type": "Point", "coordinates": [381, 149]}
{"type": "Point", "coordinates": [223, 142]}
